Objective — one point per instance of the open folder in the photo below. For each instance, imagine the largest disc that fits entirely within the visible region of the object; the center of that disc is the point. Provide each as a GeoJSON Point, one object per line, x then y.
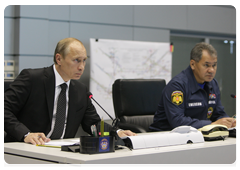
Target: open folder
{"type": "Point", "coordinates": [162, 139]}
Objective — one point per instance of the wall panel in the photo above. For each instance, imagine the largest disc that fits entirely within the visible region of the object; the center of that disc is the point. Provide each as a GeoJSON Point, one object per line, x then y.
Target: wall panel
{"type": "Point", "coordinates": [211, 19]}
{"type": "Point", "coordinates": [59, 12]}
{"type": "Point", "coordinates": [9, 34]}
{"type": "Point", "coordinates": [9, 11]}
{"type": "Point", "coordinates": [34, 62]}
{"type": "Point", "coordinates": [108, 14]}
{"type": "Point", "coordinates": [84, 32]}
{"type": "Point", "coordinates": [34, 11]}
{"type": "Point", "coordinates": [33, 37]}
{"type": "Point", "coordinates": [161, 16]}
{"type": "Point", "coordinates": [153, 35]}
{"type": "Point", "coordinates": [57, 31]}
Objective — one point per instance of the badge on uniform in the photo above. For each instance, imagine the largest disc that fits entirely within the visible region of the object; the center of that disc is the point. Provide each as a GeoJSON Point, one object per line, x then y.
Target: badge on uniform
{"type": "Point", "coordinates": [210, 111]}
{"type": "Point", "coordinates": [212, 96]}
{"type": "Point", "coordinates": [177, 97]}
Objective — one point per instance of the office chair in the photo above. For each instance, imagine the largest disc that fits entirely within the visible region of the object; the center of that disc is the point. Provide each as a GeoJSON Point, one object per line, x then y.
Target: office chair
{"type": "Point", "coordinates": [135, 102]}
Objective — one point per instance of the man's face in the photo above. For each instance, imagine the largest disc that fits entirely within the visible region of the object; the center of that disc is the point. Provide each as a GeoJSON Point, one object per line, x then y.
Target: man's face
{"type": "Point", "coordinates": [72, 66]}
{"type": "Point", "coordinates": [205, 69]}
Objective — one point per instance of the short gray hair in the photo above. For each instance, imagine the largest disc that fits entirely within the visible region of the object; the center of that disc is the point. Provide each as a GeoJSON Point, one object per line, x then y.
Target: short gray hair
{"type": "Point", "coordinates": [196, 53]}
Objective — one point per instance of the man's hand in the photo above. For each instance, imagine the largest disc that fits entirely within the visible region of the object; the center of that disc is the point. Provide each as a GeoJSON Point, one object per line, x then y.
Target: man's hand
{"type": "Point", "coordinates": [36, 139]}
{"type": "Point", "coordinates": [234, 123]}
{"type": "Point", "coordinates": [227, 121]}
{"type": "Point", "coordinates": [123, 133]}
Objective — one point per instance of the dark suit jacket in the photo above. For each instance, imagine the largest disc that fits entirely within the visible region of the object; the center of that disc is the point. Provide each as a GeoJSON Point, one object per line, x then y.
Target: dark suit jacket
{"type": "Point", "coordinates": [28, 105]}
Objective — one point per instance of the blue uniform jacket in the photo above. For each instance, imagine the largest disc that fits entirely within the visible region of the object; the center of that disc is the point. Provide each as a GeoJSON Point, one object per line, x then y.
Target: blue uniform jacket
{"type": "Point", "coordinates": [184, 102]}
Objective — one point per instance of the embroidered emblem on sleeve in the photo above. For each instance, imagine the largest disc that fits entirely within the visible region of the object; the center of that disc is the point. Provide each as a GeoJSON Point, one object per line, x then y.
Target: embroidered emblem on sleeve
{"type": "Point", "coordinates": [177, 97]}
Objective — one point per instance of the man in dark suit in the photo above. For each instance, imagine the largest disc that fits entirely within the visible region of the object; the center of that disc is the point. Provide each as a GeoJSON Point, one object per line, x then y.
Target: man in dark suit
{"type": "Point", "coordinates": [30, 104]}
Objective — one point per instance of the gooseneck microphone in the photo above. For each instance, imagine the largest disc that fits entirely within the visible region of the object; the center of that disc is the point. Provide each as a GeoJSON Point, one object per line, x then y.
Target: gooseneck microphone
{"type": "Point", "coordinates": [89, 94]}
{"type": "Point", "coordinates": [115, 121]}
{"type": "Point", "coordinates": [233, 96]}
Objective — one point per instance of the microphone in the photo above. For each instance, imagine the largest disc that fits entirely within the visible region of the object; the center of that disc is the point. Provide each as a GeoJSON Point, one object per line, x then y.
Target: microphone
{"type": "Point", "coordinates": [233, 96]}
{"type": "Point", "coordinates": [89, 94]}
{"type": "Point", "coordinates": [115, 121]}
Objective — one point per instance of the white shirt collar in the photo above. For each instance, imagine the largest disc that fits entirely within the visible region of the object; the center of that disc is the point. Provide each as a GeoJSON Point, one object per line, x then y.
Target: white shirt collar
{"type": "Point", "coordinates": [58, 78]}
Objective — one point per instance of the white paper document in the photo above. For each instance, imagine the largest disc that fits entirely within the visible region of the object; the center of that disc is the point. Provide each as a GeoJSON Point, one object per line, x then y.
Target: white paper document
{"type": "Point", "coordinates": [164, 139]}
{"type": "Point", "coordinates": [60, 143]}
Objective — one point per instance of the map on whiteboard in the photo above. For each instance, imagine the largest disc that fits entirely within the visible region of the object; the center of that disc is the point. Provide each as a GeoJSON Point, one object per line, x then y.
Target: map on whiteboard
{"type": "Point", "coordinates": [118, 59]}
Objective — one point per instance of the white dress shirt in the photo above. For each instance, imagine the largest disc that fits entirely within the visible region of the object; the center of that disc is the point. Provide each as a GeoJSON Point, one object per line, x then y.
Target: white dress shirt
{"type": "Point", "coordinates": [58, 82]}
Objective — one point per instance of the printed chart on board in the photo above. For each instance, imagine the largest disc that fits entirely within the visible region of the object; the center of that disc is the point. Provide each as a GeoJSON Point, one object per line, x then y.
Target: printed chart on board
{"type": "Point", "coordinates": [118, 59]}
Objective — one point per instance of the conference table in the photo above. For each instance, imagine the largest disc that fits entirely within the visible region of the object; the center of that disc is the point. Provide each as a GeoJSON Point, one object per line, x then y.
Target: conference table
{"type": "Point", "coordinates": [214, 152]}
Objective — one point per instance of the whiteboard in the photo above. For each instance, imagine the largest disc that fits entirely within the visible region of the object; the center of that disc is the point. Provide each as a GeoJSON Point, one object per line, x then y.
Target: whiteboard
{"type": "Point", "coordinates": [119, 59]}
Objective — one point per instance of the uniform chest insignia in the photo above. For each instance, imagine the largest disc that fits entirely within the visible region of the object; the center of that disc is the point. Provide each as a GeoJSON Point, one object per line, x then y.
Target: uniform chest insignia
{"type": "Point", "coordinates": [211, 102]}
{"type": "Point", "coordinates": [210, 111]}
{"type": "Point", "coordinates": [195, 104]}
{"type": "Point", "coordinates": [212, 96]}
{"type": "Point", "coordinates": [177, 97]}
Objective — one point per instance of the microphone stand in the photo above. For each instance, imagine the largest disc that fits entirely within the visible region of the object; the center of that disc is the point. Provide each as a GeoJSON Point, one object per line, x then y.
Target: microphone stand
{"type": "Point", "coordinates": [113, 132]}
{"type": "Point", "coordinates": [115, 122]}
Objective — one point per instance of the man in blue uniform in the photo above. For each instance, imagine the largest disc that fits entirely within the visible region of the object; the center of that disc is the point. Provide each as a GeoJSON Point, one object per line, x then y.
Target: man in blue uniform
{"type": "Point", "coordinates": [192, 97]}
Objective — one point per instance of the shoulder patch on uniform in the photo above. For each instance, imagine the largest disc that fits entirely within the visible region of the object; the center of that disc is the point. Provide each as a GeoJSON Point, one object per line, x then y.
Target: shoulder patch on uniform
{"type": "Point", "coordinates": [177, 97]}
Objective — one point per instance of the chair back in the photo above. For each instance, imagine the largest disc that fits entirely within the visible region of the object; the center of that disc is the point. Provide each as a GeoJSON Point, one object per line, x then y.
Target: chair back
{"type": "Point", "coordinates": [135, 101]}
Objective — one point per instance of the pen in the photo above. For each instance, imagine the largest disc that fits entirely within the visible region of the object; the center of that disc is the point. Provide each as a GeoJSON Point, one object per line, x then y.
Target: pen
{"type": "Point", "coordinates": [102, 128]}
{"type": "Point", "coordinates": [235, 117]}
{"type": "Point", "coordinates": [94, 130]}
{"type": "Point", "coordinates": [49, 146]}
